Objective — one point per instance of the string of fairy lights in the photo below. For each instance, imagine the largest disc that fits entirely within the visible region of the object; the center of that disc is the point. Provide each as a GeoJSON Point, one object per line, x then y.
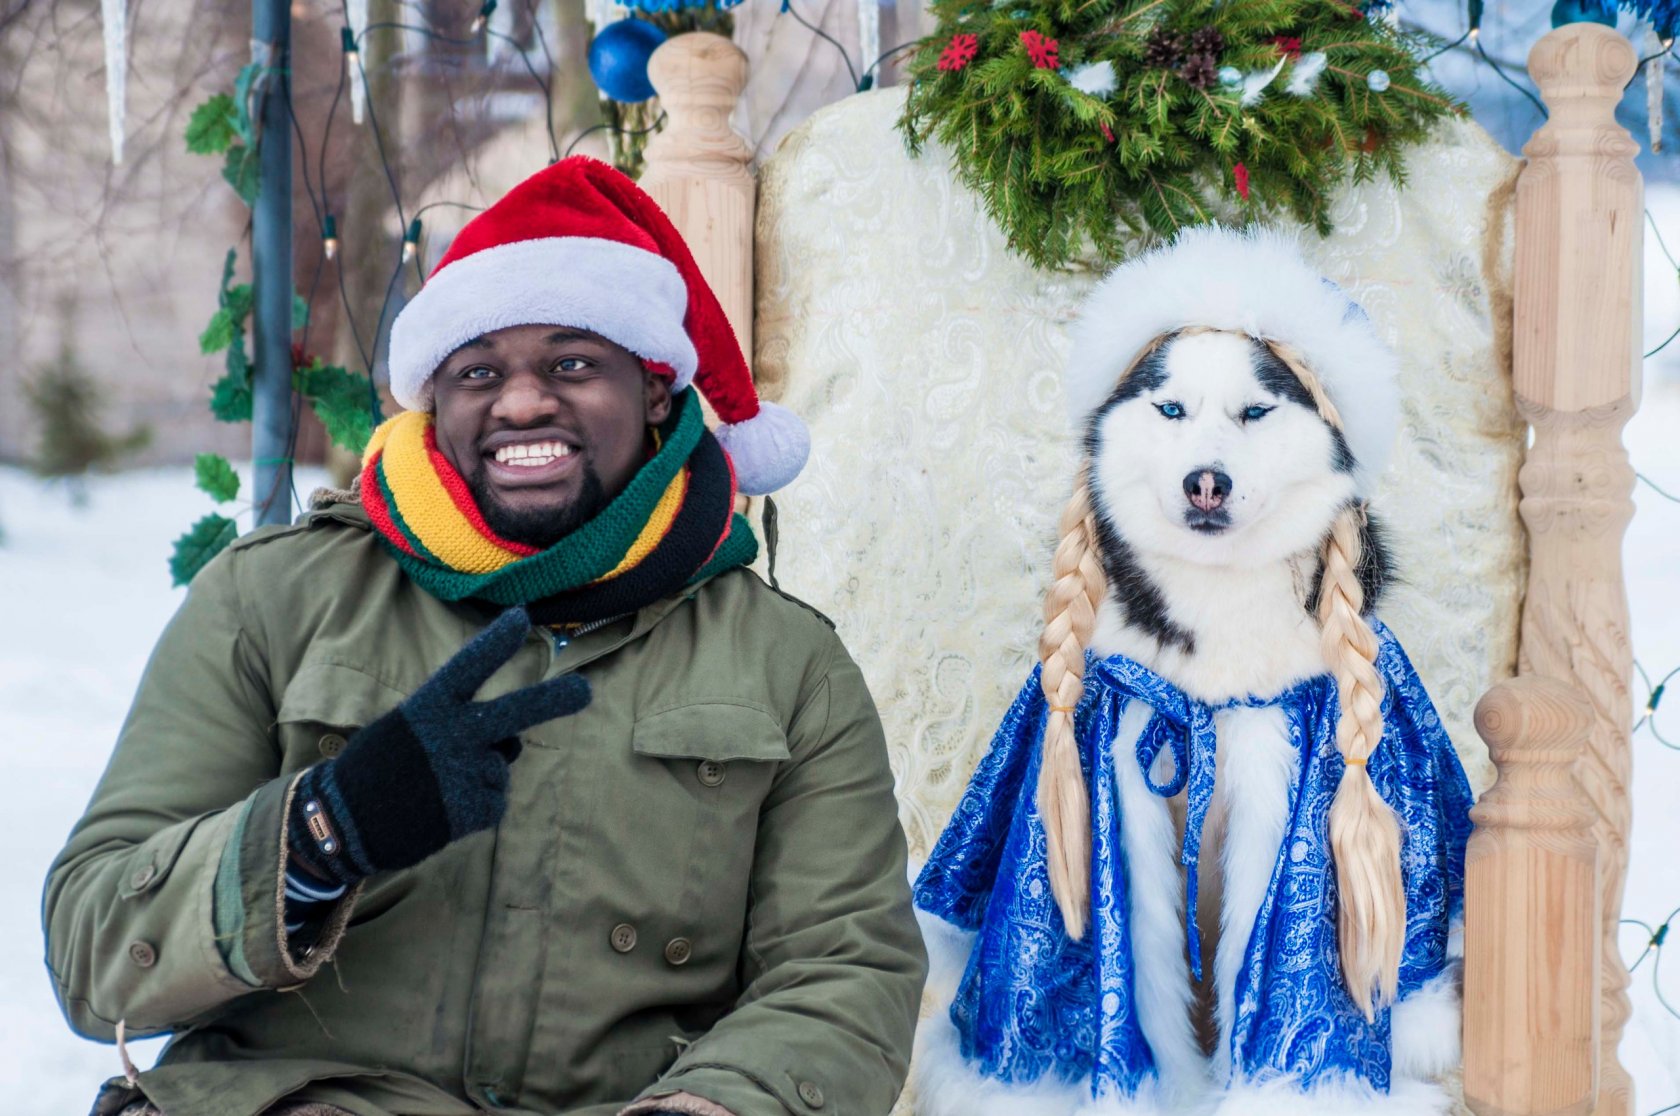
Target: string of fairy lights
{"type": "Point", "coordinates": [412, 226]}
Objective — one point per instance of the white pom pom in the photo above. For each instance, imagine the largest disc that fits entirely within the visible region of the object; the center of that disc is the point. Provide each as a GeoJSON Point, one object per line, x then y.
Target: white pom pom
{"type": "Point", "coordinates": [768, 449]}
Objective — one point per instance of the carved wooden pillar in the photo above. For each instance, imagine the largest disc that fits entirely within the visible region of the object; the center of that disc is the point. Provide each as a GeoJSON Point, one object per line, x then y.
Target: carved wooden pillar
{"type": "Point", "coordinates": [1531, 911]}
{"type": "Point", "coordinates": [697, 166]}
{"type": "Point", "coordinates": [1576, 354]}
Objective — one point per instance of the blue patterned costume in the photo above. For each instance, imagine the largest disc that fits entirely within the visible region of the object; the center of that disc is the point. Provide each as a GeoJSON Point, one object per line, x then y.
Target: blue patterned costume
{"type": "Point", "coordinates": [1035, 1006]}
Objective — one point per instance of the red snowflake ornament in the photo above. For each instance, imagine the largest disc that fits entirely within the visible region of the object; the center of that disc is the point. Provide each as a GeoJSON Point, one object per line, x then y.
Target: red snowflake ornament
{"type": "Point", "coordinates": [959, 52]}
{"type": "Point", "coordinates": [1042, 51]}
{"type": "Point", "coordinates": [1288, 46]}
{"type": "Point", "coordinates": [1239, 175]}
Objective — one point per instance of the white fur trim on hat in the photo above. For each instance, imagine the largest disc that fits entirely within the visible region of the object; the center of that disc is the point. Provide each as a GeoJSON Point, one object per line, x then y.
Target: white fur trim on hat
{"type": "Point", "coordinates": [1249, 281]}
{"type": "Point", "coordinates": [630, 296]}
{"type": "Point", "coordinates": [768, 449]}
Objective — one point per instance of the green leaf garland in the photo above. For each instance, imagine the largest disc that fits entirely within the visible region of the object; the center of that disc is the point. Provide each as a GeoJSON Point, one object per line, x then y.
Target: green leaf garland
{"type": "Point", "coordinates": [1209, 111]}
{"type": "Point", "coordinates": [215, 477]}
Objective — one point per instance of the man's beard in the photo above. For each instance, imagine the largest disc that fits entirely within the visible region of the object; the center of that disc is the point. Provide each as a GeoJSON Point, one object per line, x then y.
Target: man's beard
{"type": "Point", "coordinates": [538, 527]}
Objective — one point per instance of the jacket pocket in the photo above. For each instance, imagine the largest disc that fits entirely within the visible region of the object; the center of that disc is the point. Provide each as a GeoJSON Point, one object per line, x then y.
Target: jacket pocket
{"type": "Point", "coordinates": [706, 769]}
{"type": "Point", "coordinates": [323, 705]}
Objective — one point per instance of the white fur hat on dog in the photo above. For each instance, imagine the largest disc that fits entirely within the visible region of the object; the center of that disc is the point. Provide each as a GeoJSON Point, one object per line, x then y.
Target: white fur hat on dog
{"type": "Point", "coordinates": [1248, 281]}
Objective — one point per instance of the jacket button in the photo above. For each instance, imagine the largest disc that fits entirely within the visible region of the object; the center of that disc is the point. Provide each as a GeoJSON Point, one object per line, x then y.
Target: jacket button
{"type": "Point", "coordinates": [143, 954]}
{"type": "Point", "coordinates": [143, 876]}
{"type": "Point", "coordinates": [711, 772]}
{"type": "Point", "coordinates": [678, 951]}
{"type": "Point", "coordinates": [332, 744]}
{"type": "Point", "coordinates": [810, 1094]}
{"type": "Point", "coordinates": [623, 937]}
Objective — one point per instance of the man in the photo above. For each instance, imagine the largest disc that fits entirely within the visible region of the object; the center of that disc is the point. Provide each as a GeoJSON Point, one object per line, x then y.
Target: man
{"type": "Point", "coordinates": [634, 849]}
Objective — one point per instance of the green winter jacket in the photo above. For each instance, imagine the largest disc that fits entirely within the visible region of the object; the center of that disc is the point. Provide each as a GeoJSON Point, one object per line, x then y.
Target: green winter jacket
{"type": "Point", "coordinates": [699, 885]}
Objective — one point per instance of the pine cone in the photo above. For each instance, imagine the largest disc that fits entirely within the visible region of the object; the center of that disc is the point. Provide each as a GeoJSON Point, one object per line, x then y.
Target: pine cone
{"type": "Point", "coordinates": [1200, 70]}
{"type": "Point", "coordinates": [1164, 51]}
{"type": "Point", "coordinates": [1206, 40]}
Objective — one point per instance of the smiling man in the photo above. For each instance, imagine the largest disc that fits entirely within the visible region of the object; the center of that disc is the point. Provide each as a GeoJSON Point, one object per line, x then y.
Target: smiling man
{"type": "Point", "coordinates": [499, 783]}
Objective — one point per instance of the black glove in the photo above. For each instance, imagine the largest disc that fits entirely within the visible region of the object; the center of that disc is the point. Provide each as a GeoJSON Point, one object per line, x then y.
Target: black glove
{"type": "Point", "coordinates": [430, 771]}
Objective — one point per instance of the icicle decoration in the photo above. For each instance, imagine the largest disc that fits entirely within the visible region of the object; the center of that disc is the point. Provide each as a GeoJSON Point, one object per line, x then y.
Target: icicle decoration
{"type": "Point", "coordinates": [356, 14]}
{"type": "Point", "coordinates": [115, 16]}
{"type": "Point", "coordinates": [1657, 50]}
{"type": "Point", "coordinates": [869, 32]}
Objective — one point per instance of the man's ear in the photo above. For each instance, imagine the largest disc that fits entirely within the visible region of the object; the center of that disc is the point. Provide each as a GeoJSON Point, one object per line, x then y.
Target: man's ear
{"type": "Point", "coordinates": [656, 397]}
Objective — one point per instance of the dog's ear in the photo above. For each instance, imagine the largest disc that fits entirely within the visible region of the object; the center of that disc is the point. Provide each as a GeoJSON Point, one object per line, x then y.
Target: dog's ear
{"type": "Point", "coordinates": [1375, 569]}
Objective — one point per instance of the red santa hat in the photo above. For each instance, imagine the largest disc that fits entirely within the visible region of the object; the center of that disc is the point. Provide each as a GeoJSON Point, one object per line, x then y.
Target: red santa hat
{"type": "Point", "coordinates": [1254, 281]}
{"type": "Point", "coordinates": [578, 244]}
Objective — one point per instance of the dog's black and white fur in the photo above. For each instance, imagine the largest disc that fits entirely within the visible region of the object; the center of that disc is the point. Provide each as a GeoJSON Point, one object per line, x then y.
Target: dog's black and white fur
{"type": "Point", "coordinates": [1214, 481]}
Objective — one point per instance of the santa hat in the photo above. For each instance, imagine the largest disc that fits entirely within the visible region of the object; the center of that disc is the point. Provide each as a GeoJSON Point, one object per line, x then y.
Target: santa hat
{"type": "Point", "coordinates": [1248, 281]}
{"type": "Point", "coordinates": [578, 244]}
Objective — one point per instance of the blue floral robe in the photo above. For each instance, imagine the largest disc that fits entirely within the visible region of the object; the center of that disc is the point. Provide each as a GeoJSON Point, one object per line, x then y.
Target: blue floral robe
{"type": "Point", "coordinates": [1033, 1003]}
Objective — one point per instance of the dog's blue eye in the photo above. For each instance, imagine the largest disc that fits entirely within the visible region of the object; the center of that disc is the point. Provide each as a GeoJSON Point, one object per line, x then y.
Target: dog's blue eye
{"type": "Point", "coordinates": [1256, 412]}
{"type": "Point", "coordinates": [1171, 410]}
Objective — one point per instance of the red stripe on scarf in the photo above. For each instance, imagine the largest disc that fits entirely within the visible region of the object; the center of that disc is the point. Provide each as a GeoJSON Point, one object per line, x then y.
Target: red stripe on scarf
{"type": "Point", "coordinates": [728, 520]}
{"type": "Point", "coordinates": [374, 501]}
{"type": "Point", "coordinates": [462, 496]}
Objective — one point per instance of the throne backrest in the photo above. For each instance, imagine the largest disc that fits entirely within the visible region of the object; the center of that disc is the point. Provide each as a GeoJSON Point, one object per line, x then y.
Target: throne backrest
{"type": "Point", "coordinates": [927, 360]}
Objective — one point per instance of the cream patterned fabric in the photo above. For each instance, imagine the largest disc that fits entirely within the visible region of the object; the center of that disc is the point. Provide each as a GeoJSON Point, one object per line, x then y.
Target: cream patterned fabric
{"type": "Point", "coordinates": [926, 359]}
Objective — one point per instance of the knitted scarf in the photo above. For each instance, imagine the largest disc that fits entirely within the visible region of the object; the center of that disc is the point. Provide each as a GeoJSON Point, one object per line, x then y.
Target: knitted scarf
{"type": "Point", "coordinates": [672, 526]}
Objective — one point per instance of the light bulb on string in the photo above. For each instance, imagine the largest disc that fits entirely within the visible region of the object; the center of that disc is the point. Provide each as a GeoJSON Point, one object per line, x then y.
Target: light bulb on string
{"type": "Point", "coordinates": [483, 15]}
{"type": "Point", "coordinates": [351, 56]}
{"type": "Point", "coordinates": [329, 236]}
{"type": "Point", "coordinates": [411, 240]}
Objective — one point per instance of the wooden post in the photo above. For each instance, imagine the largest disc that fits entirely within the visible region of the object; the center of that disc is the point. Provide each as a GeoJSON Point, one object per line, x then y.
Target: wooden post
{"type": "Point", "coordinates": [1576, 338]}
{"type": "Point", "coordinates": [1531, 911]}
{"type": "Point", "coordinates": [697, 166]}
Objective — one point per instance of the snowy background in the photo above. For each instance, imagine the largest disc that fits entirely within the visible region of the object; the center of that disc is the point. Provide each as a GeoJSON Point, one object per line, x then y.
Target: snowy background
{"type": "Point", "coordinates": [87, 592]}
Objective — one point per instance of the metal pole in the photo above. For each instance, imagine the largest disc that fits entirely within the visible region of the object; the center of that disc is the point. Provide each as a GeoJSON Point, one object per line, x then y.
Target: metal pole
{"type": "Point", "coordinates": [271, 271]}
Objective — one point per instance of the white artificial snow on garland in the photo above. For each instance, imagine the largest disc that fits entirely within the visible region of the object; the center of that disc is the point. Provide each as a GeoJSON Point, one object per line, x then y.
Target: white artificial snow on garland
{"type": "Point", "coordinates": [115, 16]}
{"type": "Point", "coordinates": [1304, 77]}
{"type": "Point", "coordinates": [1095, 78]}
{"type": "Point", "coordinates": [356, 16]}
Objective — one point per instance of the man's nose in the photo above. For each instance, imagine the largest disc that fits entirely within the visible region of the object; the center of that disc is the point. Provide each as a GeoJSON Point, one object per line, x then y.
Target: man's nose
{"type": "Point", "coordinates": [525, 399]}
{"type": "Point", "coordinates": [1206, 488]}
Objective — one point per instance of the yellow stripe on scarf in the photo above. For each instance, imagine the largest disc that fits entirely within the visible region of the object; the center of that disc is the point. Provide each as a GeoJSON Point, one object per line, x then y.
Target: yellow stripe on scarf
{"type": "Point", "coordinates": [426, 506]}
{"type": "Point", "coordinates": [654, 529]}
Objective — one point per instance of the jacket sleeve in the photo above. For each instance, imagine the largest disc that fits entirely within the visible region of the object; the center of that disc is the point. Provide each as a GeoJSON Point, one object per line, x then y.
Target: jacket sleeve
{"type": "Point", "coordinates": [165, 902]}
{"type": "Point", "coordinates": [833, 960]}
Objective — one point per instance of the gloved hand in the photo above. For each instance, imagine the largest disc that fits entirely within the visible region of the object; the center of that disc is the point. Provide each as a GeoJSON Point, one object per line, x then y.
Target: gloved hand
{"type": "Point", "coordinates": [430, 771]}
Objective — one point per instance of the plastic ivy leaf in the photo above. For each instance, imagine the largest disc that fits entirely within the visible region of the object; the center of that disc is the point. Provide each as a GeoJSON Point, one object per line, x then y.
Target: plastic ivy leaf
{"type": "Point", "coordinates": [215, 477]}
{"type": "Point", "coordinates": [240, 171]}
{"type": "Point", "coordinates": [238, 300]}
{"type": "Point", "coordinates": [217, 335]}
{"type": "Point", "coordinates": [202, 542]}
{"type": "Point", "coordinates": [212, 127]}
{"type": "Point", "coordinates": [342, 401]}
{"type": "Point", "coordinates": [300, 311]}
{"type": "Point", "coordinates": [230, 396]}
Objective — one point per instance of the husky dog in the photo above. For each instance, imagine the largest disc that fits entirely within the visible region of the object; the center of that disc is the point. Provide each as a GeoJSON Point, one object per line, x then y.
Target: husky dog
{"type": "Point", "coordinates": [1212, 676]}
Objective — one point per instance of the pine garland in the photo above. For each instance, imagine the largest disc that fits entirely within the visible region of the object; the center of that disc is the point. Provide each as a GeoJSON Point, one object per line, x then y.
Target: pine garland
{"type": "Point", "coordinates": [1080, 121]}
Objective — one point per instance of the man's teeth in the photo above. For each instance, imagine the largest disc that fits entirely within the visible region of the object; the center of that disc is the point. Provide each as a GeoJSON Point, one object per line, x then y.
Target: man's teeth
{"type": "Point", "coordinates": [532, 455]}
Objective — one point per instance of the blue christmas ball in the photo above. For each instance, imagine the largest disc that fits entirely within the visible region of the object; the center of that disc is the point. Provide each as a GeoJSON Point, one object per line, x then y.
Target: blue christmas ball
{"type": "Point", "coordinates": [1584, 11]}
{"type": "Point", "coordinates": [618, 59]}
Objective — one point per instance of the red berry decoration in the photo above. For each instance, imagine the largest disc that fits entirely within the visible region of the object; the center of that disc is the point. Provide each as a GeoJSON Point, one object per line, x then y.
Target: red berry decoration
{"type": "Point", "coordinates": [1239, 175]}
{"type": "Point", "coordinates": [959, 52]}
{"type": "Point", "coordinates": [1288, 46]}
{"type": "Point", "coordinates": [1042, 51]}
{"type": "Point", "coordinates": [1108, 133]}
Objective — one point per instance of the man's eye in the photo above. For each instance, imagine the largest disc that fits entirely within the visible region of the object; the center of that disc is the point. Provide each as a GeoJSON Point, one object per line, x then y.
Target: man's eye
{"type": "Point", "coordinates": [477, 372]}
{"type": "Point", "coordinates": [1170, 410]}
{"type": "Point", "coordinates": [571, 364]}
{"type": "Point", "coordinates": [1258, 411]}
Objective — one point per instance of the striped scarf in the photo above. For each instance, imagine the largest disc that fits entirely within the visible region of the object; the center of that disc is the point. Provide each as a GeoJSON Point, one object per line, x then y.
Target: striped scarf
{"type": "Point", "coordinates": [672, 526]}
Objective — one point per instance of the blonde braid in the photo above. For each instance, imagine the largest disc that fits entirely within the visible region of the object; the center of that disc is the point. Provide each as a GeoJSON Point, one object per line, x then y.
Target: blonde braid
{"type": "Point", "coordinates": [1070, 614]}
{"type": "Point", "coordinates": [1364, 833]}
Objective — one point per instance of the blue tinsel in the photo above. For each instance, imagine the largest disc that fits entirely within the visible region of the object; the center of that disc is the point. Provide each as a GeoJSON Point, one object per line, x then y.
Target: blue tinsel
{"type": "Point", "coordinates": [1662, 14]}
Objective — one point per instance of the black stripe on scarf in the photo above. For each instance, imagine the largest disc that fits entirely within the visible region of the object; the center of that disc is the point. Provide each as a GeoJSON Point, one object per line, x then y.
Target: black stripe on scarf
{"type": "Point", "coordinates": [707, 509]}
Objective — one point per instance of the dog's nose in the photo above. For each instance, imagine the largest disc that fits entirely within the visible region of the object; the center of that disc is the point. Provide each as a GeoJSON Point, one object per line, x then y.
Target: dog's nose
{"type": "Point", "coordinates": [1206, 488]}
